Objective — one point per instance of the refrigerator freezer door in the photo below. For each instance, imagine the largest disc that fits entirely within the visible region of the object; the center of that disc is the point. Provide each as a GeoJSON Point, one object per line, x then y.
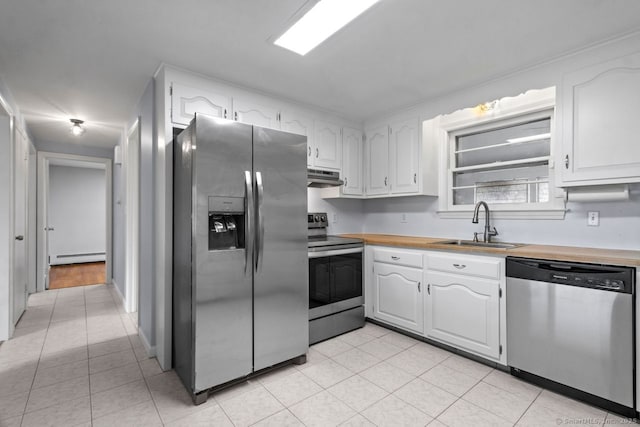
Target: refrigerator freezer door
{"type": "Point", "coordinates": [223, 303]}
{"type": "Point", "coordinates": [281, 288]}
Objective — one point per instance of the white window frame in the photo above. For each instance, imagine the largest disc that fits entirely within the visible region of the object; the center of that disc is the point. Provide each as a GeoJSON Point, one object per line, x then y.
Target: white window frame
{"type": "Point", "coordinates": [532, 105]}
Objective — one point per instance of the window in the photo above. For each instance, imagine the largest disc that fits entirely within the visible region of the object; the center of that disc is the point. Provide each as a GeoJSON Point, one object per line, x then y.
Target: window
{"type": "Point", "coordinates": [501, 154]}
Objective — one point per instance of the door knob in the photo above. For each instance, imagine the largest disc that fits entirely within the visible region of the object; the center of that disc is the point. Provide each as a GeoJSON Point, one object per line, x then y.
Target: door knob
{"type": "Point", "coordinates": [19, 237]}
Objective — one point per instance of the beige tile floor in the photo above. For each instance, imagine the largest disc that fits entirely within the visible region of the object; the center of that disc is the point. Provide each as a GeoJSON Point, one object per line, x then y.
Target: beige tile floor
{"type": "Point", "coordinates": [76, 359]}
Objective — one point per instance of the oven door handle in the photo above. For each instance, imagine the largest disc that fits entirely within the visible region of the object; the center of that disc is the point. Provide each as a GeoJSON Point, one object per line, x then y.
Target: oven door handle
{"type": "Point", "coordinates": [321, 254]}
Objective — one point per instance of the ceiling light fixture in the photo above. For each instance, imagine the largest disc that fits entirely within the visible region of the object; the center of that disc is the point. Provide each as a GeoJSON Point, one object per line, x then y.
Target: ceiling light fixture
{"type": "Point", "coordinates": [76, 128]}
{"type": "Point", "coordinates": [320, 22]}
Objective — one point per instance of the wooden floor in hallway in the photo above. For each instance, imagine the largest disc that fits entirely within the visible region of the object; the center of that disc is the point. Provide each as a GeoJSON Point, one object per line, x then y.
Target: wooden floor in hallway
{"type": "Point", "coordinates": [71, 275]}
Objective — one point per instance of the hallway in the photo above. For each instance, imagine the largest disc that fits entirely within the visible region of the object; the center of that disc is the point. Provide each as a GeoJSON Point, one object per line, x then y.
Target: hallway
{"type": "Point", "coordinates": [76, 359]}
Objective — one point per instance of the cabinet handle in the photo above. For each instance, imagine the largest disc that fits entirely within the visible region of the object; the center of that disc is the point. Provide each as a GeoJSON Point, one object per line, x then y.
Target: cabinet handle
{"type": "Point", "coordinates": [235, 116]}
{"type": "Point", "coordinates": [309, 152]}
{"type": "Point", "coordinates": [418, 286]}
{"type": "Point", "coordinates": [566, 161]}
{"type": "Point", "coordinates": [395, 258]}
{"type": "Point", "coordinates": [345, 181]}
{"type": "Point", "coordinates": [317, 153]}
{"type": "Point", "coordinates": [415, 178]}
{"type": "Point", "coordinates": [385, 181]}
{"type": "Point", "coordinates": [225, 113]}
{"type": "Point", "coordinates": [459, 266]}
{"type": "Point", "coordinates": [20, 237]}
{"type": "Point", "coordinates": [429, 288]}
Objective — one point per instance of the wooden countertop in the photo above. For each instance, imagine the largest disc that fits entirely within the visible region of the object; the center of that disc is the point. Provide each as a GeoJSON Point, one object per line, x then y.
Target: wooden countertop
{"type": "Point", "coordinates": [558, 253]}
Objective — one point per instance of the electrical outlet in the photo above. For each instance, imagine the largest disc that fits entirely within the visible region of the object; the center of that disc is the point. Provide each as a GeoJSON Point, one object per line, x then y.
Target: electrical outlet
{"type": "Point", "coordinates": [593, 218]}
{"type": "Point", "coordinates": [335, 217]}
{"type": "Point", "coordinates": [403, 218]}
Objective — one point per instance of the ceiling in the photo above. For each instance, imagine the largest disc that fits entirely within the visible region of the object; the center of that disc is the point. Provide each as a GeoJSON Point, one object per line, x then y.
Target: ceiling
{"type": "Point", "coordinates": [92, 59]}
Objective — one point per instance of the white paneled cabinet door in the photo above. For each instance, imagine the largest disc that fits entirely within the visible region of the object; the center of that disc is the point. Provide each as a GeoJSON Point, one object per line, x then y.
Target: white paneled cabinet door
{"type": "Point", "coordinates": [464, 312]}
{"type": "Point", "coordinates": [377, 161]}
{"type": "Point", "coordinates": [352, 161]}
{"type": "Point", "coordinates": [404, 149]}
{"type": "Point", "coordinates": [600, 123]}
{"type": "Point", "coordinates": [301, 125]}
{"type": "Point", "coordinates": [328, 146]}
{"type": "Point", "coordinates": [251, 113]}
{"type": "Point", "coordinates": [187, 101]}
{"type": "Point", "coordinates": [398, 296]}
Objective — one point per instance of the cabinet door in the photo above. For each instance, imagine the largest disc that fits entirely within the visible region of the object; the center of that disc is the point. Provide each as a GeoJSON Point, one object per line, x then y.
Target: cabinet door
{"type": "Point", "coordinates": [301, 125]}
{"type": "Point", "coordinates": [404, 149]}
{"type": "Point", "coordinates": [328, 146]}
{"type": "Point", "coordinates": [600, 126]}
{"type": "Point", "coordinates": [398, 296]}
{"type": "Point", "coordinates": [377, 161]}
{"type": "Point", "coordinates": [352, 161]}
{"type": "Point", "coordinates": [251, 113]}
{"type": "Point", "coordinates": [187, 101]}
{"type": "Point", "coordinates": [464, 312]}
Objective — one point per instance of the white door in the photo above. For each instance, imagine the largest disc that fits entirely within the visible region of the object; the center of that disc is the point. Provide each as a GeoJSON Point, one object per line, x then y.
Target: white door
{"type": "Point", "coordinates": [600, 125]}
{"type": "Point", "coordinates": [398, 296]}
{"type": "Point", "coordinates": [187, 101]}
{"type": "Point", "coordinates": [20, 221]}
{"type": "Point", "coordinates": [251, 113]}
{"type": "Point", "coordinates": [464, 312]}
{"type": "Point", "coordinates": [377, 161]}
{"type": "Point", "coordinates": [352, 161]}
{"type": "Point", "coordinates": [404, 148]}
{"type": "Point", "coordinates": [301, 125]}
{"type": "Point", "coordinates": [328, 150]}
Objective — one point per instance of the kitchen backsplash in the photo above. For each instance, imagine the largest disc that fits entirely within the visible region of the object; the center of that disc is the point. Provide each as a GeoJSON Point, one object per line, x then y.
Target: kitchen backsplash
{"type": "Point", "coordinates": [619, 221]}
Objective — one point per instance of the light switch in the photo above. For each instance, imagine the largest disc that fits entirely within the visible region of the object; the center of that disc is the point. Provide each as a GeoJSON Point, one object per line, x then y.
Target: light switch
{"type": "Point", "coordinates": [593, 218]}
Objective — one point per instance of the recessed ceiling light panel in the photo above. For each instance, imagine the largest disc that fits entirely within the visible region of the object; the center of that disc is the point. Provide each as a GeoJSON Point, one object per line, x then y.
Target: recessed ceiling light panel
{"type": "Point", "coordinates": [320, 22]}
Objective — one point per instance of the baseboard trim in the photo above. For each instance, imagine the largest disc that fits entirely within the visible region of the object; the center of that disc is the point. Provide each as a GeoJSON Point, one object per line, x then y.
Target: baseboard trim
{"type": "Point", "coordinates": [151, 350]}
{"type": "Point", "coordinates": [122, 300]}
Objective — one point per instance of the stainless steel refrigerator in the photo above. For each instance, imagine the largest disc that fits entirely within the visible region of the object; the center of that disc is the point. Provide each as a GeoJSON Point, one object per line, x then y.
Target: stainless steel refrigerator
{"type": "Point", "coordinates": [240, 267]}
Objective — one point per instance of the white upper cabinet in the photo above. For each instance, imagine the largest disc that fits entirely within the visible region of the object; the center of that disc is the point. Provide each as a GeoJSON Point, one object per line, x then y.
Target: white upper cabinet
{"type": "Point", "coordinates": [251, 113]}
{"type": "Point", "coordinates": [377, 161]}
{"type": "Point", "coordinates": [328, 145]}
{"type": "Point", "coordinates": [601, 124]}
{"type": "Point", "coordinates": [404, 158]}
{"type": "Point", "coordinates": [301, 125]}
{"type": "Point", "coordinates": [186, 101]}
{"type": "Point", "coordinates": [352, 161]}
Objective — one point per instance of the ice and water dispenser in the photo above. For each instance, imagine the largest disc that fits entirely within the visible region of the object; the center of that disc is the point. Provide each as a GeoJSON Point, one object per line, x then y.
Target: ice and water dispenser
{"type": "Point", "coordinates": [226, 223]}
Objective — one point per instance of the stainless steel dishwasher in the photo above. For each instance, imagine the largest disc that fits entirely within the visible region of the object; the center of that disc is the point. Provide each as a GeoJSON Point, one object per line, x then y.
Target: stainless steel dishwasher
{"type": "Point", "coordinates": [570, 327]}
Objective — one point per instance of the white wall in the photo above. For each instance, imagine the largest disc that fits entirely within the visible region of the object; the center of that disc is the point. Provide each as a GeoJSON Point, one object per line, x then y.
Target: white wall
{"type": "Point", "coordinates": [77, 211]}
{"type": "Point", "coordinates": [619, 221]}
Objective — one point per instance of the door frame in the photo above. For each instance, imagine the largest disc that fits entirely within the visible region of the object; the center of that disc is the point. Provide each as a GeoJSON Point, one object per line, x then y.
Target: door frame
{"type": "Point", "coordinates": [44, 159]}
{"type": "Point", "coordinates": [132, 218]}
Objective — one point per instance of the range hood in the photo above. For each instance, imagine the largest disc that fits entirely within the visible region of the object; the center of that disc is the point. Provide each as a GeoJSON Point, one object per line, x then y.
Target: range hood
{"type": "Point", "coordinates": [322, 179]}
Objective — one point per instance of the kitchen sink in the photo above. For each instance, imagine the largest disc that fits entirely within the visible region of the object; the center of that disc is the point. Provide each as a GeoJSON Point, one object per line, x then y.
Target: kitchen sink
{"type": "Point", "coordinates": [471, 243]}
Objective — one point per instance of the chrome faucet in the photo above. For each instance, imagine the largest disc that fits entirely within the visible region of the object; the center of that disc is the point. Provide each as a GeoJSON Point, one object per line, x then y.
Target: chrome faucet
{"type": "Point", "coordinates": [488, 232]}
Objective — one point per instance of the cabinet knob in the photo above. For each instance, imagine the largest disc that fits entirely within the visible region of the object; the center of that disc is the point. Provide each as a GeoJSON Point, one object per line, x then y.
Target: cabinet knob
{"type": "Point", "coordinates": [566, 161]}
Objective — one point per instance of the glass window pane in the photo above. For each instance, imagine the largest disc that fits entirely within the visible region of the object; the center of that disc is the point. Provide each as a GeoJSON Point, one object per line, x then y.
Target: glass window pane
{"type": "Point", "coordinates": [504, 144]}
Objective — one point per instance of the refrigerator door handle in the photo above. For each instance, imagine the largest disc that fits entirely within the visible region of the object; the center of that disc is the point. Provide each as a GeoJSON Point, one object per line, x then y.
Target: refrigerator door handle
{"type": "Point", "coordinates": [248, 201]}
{"type": "Point", "coordinates": [259, 221]}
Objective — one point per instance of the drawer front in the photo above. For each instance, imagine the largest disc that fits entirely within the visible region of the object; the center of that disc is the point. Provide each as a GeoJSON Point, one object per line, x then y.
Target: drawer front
{"type": "Point", "coordinates": [471, 265]}
{"type": "Point", "coordinates": [398, 257]}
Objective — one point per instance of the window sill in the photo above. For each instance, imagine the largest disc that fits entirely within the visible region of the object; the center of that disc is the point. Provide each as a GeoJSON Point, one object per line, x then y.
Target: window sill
{"type": "Point", "coordinates": [515, 214]}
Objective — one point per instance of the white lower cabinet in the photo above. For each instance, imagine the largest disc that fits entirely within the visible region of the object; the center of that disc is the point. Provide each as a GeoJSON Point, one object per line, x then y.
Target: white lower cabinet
{"type": "Point", "coordinates": [463, 302]}
{"type": "Point", "coordinates": [398, 296]}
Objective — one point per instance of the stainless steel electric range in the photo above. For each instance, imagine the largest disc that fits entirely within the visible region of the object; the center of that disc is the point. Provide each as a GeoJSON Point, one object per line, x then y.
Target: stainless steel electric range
{"type": "Point", "coordinates": [335, 281]}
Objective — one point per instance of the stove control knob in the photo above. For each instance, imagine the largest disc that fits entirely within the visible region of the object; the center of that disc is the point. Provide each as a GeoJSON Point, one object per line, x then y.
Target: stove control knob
{"type": "Point", "coordinates": [324, 218]}
{"type": "Point", "coordinates": [317, 218]}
